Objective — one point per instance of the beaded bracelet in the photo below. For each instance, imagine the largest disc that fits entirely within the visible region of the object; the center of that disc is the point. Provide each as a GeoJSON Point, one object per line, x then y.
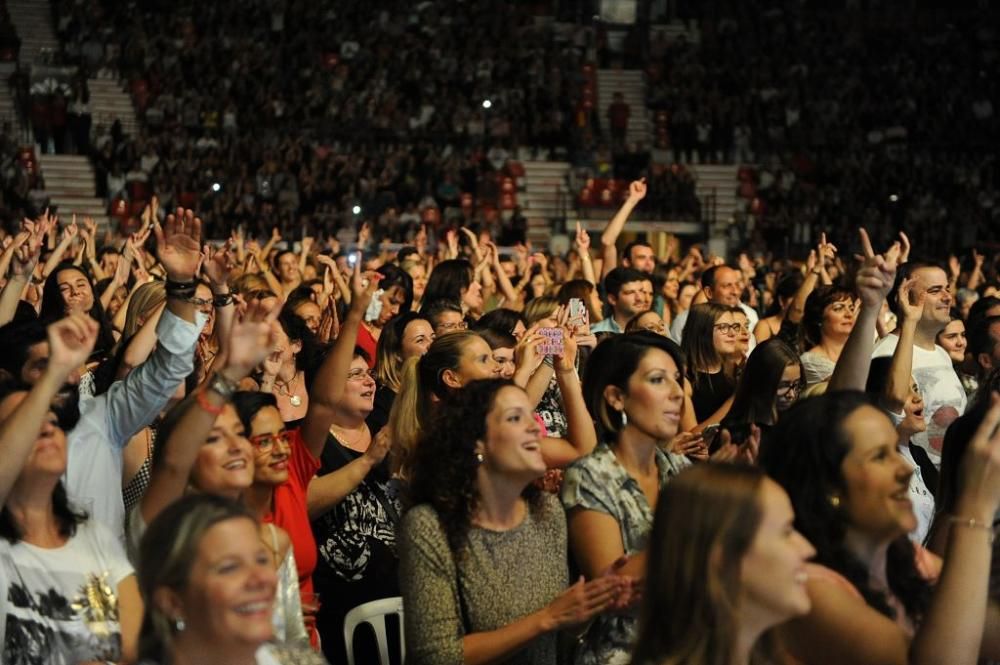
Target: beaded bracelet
{"type": "Point", "coordinates": [206, 405]}
{"type": "Point", "coordinates": [973, 523]}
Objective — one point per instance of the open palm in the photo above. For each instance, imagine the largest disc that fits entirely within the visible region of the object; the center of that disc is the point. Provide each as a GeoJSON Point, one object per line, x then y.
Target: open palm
{"type": "Point", "coordinates": [178, 245]}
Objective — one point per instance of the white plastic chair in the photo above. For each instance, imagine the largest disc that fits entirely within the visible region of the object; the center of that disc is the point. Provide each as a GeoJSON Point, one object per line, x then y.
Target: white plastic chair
{"type": "Point", "coordinates": [374, 614]}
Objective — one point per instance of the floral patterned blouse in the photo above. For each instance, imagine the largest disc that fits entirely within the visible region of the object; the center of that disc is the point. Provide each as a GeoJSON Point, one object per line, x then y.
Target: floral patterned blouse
{"type": "Point", "coordinates": [599, 482]}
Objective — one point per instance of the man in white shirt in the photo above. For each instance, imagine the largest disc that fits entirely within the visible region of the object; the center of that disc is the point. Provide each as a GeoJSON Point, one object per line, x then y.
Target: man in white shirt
{"type": "Point", "coordinates": [942, 392]}
{"type": "Point", "coordinates": [721, 285]}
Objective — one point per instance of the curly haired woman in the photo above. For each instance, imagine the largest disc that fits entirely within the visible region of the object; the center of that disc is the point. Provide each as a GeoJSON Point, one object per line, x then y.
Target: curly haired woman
{"type": "Point", "coordinates": [477, 518]}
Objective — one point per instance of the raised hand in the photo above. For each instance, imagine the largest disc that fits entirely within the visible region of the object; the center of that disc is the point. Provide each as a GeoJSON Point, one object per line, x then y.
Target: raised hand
{"type": "Point", "coordinates": [954, 266]}
{"type": "Point", "coordinates": [27, 250]}
{"type": "Point", "coordinates": [687, 443]}
{"type": "Point", "coordinates": [70, 231]}
{"type": "Point", "coordinates": [637, 190]}
{"type": "Point", "coordinates": [217, 265]}
{"type": "Point", "coordinates": [251, 340]}
{"type": "Point", "coordinates": [473, 243]}
{"type": "Point", "coordinates": [178, 245]}
{"type": "Point", "coordinates": [910, 308]}
{"type": "Point", "coordinates": [71, 340]}
{"type": "Point", "coordinates": [825, 251]}
{"type": "Point", "coordinates": [885, 264]}
{"type": "Point", "coordinates": [451, 237]}
{"type": "Point", "coordinates": [582, 239]}
{"type": "Point", "coordinates": [363, 287]}
{"type": "Point", "coordinates": [904, 244]}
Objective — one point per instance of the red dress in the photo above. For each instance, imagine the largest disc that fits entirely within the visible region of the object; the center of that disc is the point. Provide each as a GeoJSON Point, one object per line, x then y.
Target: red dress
{"type": "Point", "coordinates": [367, 342]}
{"type": "Point", "coordinates": [291, 512]}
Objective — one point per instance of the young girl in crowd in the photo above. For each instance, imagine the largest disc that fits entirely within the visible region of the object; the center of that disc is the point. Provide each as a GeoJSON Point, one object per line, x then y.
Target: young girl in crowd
{"type": "Point", "coordinates": [875, 596]}
{"type": "Point", "coordinates": [713, 595]}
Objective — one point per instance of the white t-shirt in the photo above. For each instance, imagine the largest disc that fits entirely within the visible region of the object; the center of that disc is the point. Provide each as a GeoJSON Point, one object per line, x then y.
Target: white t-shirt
{"type": "Point", "coordinates": [923, 500]}
{"type": "Point", "coordinates": [941, 389]}
{"type": "Point", "coordinates": [60, 606]}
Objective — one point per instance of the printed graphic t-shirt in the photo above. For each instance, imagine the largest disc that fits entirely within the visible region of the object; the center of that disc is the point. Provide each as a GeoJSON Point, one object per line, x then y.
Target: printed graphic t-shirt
{"type": "Point", "coordinates": [60, 606]}
{"type": "Point", "coordinates": [940, 388]}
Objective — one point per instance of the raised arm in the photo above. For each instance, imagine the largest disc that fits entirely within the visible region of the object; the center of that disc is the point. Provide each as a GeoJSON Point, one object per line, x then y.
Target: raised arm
{"type": "Point", "coordinates": [874, 281]}
{"type": "Point", "coordinates": [897, 388]}
{"type": "Point", "coordinates": [583, 250]}
{"type": "Point", "coordinates": [27, 247]}
{"type": "Point", "coordinates": [581, 437]}
{"type": "Point", "coordinates": [70, 342]}
{"type": "Point", "coordinates": [250, 340]}
{"type": "Point", "coordinates": [609, 251]}
{"type": "Point", "coordinates": [69, 234]}
{"type": "Point", "coordinates": [217, 267]}
{"type": "Point", "coordinates": [331, 380]}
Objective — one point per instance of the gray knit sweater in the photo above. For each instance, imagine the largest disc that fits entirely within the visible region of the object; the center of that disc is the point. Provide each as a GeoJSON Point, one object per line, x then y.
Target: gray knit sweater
{"type": "Point", "coordinates": [500, 577]}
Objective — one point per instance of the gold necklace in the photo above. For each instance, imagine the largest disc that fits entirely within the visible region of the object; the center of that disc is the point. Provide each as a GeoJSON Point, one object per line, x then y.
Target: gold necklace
{"type": "Point", "coordinates": [285, 390]}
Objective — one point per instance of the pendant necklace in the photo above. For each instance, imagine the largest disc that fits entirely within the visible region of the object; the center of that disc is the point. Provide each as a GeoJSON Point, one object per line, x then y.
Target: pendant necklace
{"type": "Point", "coordinates": [284, 389]}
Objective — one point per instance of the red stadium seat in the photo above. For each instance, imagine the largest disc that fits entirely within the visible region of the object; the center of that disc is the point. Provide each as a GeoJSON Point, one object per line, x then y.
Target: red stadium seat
{"type": "Point", "coordinates": [515, 169]}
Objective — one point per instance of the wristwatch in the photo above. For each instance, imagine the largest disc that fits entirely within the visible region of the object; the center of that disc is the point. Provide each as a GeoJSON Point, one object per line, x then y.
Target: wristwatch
{"type": "Point", "coordinates": [222, 299]}
{"type": "Point", "coordinates": [221, 386]}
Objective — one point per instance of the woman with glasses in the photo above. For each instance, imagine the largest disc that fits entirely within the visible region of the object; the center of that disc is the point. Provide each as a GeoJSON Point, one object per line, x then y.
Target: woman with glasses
{"type": "Point", "coordinates": [648, 320]}
{"type": "Point", "coordinates": [710, 347]}
{"type": "Point", "coordinates": [770, 384]}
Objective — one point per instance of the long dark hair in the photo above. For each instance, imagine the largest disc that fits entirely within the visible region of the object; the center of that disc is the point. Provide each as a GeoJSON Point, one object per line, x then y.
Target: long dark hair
{"type": "Point", "coordinates": [804, 453]}
{"type": "Point", "coordinates": [68, 517]}
{"type": "Point", "coordinates": [393, 275]}
{"type": "Point", "coordinates": [706, 520]}
{"type": "Point", "coordinates": [54, 308]}
{"type": "Point", "coordinates": [757, 390]}
{"type": "Point", "coordinates": [444, 463]}
{"type": "Point", "coordinates": [448, 280]}
{"type": "Point", "coordinates": [612, 363]}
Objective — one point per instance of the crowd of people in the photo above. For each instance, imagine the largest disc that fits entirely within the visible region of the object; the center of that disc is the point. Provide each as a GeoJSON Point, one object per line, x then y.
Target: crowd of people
{"type": "Point", "coordinates": [850, 116]}
{"type": "Point", "coordinates": [240, 416]}
{"type": "Point", "coordinates": [216, 451]}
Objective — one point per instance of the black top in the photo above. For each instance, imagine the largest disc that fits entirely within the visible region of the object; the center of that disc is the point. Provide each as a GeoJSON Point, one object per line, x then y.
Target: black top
{"type": "Point", "coordinates": [377, 419]}
{"type": "Point", "coordinates": [357, 560]}
{"type": "Point", "coordinates": [709, 392]}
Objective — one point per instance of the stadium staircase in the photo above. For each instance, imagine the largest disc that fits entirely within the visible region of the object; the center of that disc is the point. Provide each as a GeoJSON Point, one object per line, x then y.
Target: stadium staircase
{"type": "Point", "coordinates": [8, 107]}
{"type": "Point", "coordinates": [544, 198]}
{"type": "Point", "coordinates": [109, 102]}
{"type": "Point", "coordinates": [70, 186]}
{"type": "Point", "coordinates": [69, 179]}
{"type": "Point", "coordinates": [717, 189]}
{"type": "Point", "coordinates": [33, 20]}
{"type": "Point", "coordinates": [632, 85]}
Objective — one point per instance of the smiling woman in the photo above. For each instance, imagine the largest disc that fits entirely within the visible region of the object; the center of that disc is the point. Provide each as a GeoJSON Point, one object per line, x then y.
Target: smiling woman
{"type": "Point", "coordinates": [876, 596]}
{"type": "Point", "coordinates": [477, 518]}
{"type": "Point", "coordinates": [209, 584]}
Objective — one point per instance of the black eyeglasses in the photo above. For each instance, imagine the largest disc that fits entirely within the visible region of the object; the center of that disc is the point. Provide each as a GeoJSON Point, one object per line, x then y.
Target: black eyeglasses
{"type": "Point", "coordinates": [787, 388]}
